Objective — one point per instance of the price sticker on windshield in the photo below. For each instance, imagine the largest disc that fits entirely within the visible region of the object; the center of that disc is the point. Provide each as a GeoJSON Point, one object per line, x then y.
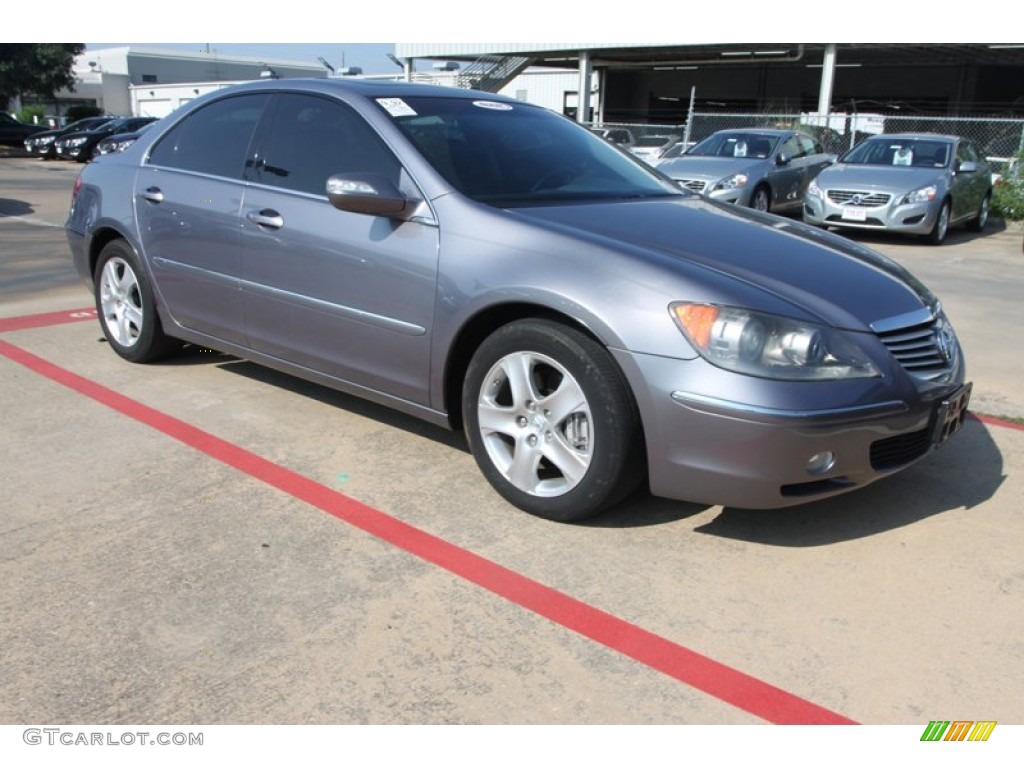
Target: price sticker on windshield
{"type": "Point", "coordinates": [397, 107]}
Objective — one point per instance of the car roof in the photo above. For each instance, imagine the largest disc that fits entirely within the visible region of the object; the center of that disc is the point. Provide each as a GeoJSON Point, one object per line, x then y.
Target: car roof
{"type": "Point", "coordinates": [922, 135]}
{"type": "Point", "coordinates": [767, 131]}
{"type": "Point", "coordinates": [365, 88]}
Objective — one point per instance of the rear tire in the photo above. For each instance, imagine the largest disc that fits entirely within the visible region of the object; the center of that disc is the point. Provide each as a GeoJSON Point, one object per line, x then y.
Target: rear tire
{"type": "Point", "coordinates": [124, 302]}
{"type": "Point", "coordinates": [551, 421]}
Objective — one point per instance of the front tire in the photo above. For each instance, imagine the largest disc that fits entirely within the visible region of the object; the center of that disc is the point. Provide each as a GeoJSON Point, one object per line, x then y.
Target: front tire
{"type": "Point", "coordinates": [124, 302]}
{"type": "Point", "coordinates": [977, 224]}
{"type": "Point", "coordinates": [941, 226]}
{"type": "Point", "coordinates": [761, 199]}
{"type": "Point", "coordinates": [551, 421]}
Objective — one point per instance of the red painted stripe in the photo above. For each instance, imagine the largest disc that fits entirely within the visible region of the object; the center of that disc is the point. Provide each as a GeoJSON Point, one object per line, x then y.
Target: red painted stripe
{"type": "Point", "coordinates": [48, 318]}
{"type": "Point", "coordinates": [993, 421]}
{"type": "Point", "coordinates": [725, 683]}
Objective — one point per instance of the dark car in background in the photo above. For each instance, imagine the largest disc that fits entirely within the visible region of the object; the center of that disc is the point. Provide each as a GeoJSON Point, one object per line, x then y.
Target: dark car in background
{"type": "Point", "coordinates": [490, 266]}
{"type": "Point", "coordinates": [81, 145]}
{"type": "Point", "coordinates": [14, 132]}
{"type": "Point", "coordinates": [42, 144]}
{"type": "Point", "coordinates": [119, 142]}
{"type": "Point", "coordinates": [766, 169]}
{"type": "Point", "coordinates": [917, 184]}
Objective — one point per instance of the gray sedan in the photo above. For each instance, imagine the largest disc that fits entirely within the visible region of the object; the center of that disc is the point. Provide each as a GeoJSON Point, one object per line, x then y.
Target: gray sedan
{"type": "Point", "coordinates": [763, 168]}
{"type": "Point", "coordinates": [919, 184]}
{"type": "Point", "coordinates": [490, 266]}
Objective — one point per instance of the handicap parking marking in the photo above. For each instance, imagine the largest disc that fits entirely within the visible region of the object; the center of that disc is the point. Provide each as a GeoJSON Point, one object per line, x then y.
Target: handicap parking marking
{"type": "Point", "coordinates": [46, 319]}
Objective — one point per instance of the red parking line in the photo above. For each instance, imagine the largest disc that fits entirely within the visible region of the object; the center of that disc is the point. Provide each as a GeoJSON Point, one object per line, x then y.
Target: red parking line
{"type": "Point", "coordinates": [994, 422]}
{"type": "Point", "coordinates": [694, 669]}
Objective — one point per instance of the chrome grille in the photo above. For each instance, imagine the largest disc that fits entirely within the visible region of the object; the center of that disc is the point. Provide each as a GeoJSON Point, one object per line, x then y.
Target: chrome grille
{"type": "Point", "coordinates": [694, 185]}
{"type": "Point", "coordinates": [867, 199]}
{"type": "Point", "coordinates": [926, 350]}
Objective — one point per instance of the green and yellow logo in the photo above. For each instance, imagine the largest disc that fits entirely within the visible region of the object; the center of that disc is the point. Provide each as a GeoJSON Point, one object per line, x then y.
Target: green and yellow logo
{"type": "Point", "coordinates": [958, 730]}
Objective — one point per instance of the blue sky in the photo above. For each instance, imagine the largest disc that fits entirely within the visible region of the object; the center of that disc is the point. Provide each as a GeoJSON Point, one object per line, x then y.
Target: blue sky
{"type": "Point", "coordinates": [370, 56]}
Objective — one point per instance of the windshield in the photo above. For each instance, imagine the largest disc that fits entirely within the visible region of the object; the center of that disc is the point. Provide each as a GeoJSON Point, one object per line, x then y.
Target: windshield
{"type": "Point", "coordinates": [517, 154]}
{"type": "Point", "coordinates": [919, 153]}
{"type": "Point", "coordinates": [746, 144]}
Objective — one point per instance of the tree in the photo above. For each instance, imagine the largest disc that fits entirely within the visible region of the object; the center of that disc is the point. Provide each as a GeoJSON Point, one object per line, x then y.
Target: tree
{"type": "Point", "coordinates": [41, 69]}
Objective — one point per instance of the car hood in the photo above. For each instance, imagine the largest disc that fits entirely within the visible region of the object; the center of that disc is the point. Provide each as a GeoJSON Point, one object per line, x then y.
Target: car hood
{"type": "Point", "coordinates": [710, 168]}
{"type": "Point", "coordinates": [878, 177]}
{"type": "Point", "coordinates": [725, 253]}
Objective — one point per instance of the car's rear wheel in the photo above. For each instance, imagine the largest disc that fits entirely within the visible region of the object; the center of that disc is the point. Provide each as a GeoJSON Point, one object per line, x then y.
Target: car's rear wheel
{"type": "Point", "coordinates": [977, 224]}
{"type": "Point", "coordinates": [551, 421]}
{"type": "Point", "coordinates": [941, 226]}
{"type": "Point", "coordinates": [761, 199]}
{"type": "Point", "coordinates": [127, 312]}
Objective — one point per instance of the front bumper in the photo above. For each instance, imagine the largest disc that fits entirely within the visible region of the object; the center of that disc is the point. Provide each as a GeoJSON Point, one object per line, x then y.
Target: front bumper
{"type": "Point", "coordinates": [892, 216]}
{"type": "Point", "coordinates": [708, 449]}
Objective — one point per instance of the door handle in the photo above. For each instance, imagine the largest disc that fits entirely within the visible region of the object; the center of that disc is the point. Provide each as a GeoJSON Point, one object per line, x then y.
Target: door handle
{"type": "Point", "coordinates": [266, 218]}
{"type": "Point", "coordinates": [153, 195]}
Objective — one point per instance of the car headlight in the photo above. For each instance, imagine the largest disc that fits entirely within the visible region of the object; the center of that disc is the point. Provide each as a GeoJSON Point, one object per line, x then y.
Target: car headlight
{"type": "Point", "coordinates": [770, 346]}
{"type": "Point", "coordinates": [77, 142]}
{"type": "Point", "coordinates": [735, 181]}
{"type": "Point", "coordinates": [115, 146]}
{"type": "Point", "coordinates": [922, 195]}
{"type": "Point", "coordinates": [813, 190]}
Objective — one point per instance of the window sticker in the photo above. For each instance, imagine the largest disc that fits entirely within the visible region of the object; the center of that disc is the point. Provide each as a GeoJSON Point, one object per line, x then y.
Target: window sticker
{"type": "Point", "coordinates": [903, 156]}
{"type": "Point", "coordinates": [493, 105]}
{"type": "Point", "coordinates": [396, 107]}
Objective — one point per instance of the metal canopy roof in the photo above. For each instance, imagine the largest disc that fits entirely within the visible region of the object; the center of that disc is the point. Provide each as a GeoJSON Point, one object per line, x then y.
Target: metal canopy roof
{"type": "Point", "coordinates": [732, 54]}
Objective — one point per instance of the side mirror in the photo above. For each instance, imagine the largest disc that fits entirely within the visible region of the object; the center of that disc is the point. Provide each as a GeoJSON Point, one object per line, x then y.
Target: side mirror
{"type": "Point", "coordinates": [967, 166]}
{"type": "Point", "coordinates": [782, 159]}
{"type": "Point", "coordinates": [368, 193]}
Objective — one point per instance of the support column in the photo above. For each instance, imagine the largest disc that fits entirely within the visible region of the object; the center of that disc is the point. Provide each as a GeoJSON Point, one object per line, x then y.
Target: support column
{"type": "Point", "coordinates": [583, 99]}
{"type": "Point", "coordinates": [828, 75]}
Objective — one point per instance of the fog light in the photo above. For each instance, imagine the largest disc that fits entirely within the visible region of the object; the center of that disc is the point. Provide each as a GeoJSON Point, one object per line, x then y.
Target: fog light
{"type": "Point", "coordinates": [820, 463]}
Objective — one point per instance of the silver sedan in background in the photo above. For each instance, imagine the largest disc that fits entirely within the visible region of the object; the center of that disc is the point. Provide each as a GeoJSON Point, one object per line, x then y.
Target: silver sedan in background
{"type": "Point", "coordinates": [918, 184]}
{"type": "Point", "coordinates": [763, 168]}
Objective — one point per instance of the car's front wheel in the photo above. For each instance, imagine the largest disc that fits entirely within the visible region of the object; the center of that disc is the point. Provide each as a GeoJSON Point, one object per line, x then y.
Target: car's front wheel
{"type": "Point", "coordinates": [551, 421]}
{"type": "Point", "coordinates": [127, 312]}
{"type": "Point", "coordinates": [977, 224]}
{"type": "Point", "coordinates": [761, 199]}
{"type": "Point", "coordinates": [941, 226]}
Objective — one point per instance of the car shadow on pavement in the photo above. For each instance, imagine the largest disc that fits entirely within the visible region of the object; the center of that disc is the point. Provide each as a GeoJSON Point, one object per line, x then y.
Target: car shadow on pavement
{"type": "Point", "coordinates": [961, 475]}
{"type": "Point", "coordinates": [11, 207]}
{"type": "Point", "coordinates": [331, 397]}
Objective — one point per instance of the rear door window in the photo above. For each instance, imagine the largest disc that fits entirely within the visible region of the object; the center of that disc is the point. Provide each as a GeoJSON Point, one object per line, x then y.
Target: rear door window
{"type": "Point", "coordinates": [214, 139]}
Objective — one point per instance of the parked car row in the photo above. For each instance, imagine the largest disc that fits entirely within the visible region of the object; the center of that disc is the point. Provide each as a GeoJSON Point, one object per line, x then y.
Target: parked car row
{"type": "Point", "coordinates": [919, 184]}
{"type": "Point", "coordinates": [79, 140]}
